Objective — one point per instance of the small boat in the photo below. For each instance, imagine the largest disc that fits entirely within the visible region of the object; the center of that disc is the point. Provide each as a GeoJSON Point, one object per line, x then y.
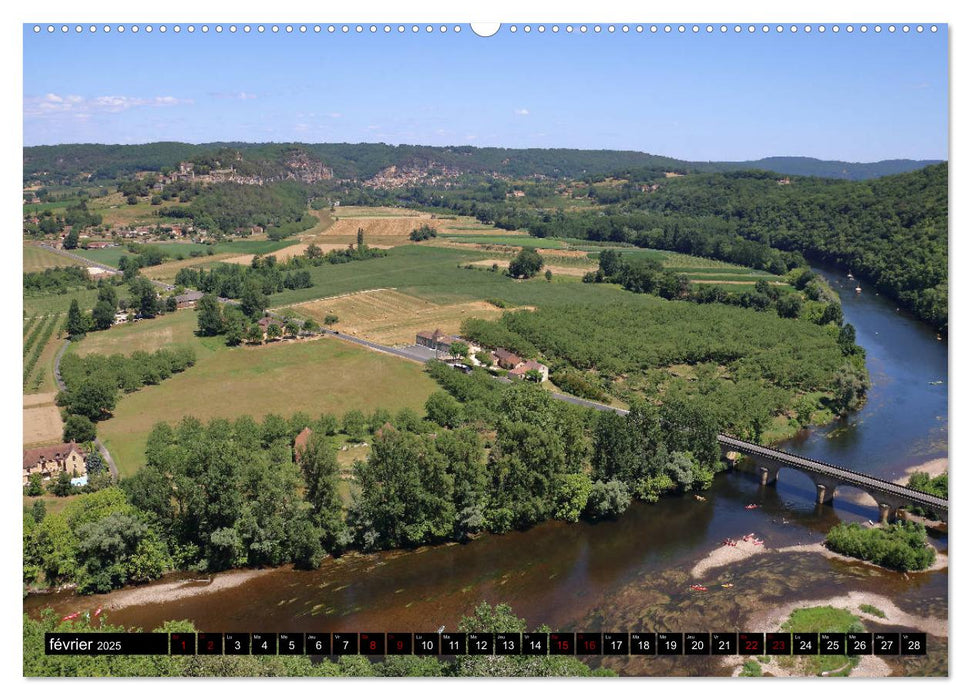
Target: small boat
{"type": "Point", "coordinates": [939, 381]}
{"type": "Point", "coordinates": [697, 587]}
{"type": "Point", "coordinates": [859, 290]}
{"type": "Point", "coordinates": [96, 612]}
{"type": "Point", "coordinates": [728, 585]}
{"type": "Point", "coordinates": [72, 616]}
{"type": "Point", "coordinates": [751, 506]}
{"type": "Point", "coordinates": [700, 498]}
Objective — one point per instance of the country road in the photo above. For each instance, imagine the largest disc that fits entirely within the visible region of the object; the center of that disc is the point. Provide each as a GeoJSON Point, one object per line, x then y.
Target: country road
{"type": "Point", "coordinates": [109, 460]}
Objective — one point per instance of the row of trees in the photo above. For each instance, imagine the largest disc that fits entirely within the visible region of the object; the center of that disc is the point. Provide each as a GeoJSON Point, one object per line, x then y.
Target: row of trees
{"type": "Point", "coordinates": [266, 275]}
{"type": "Point", "coordinates": [93, 384]}
{"type": "Point", "coordinates": [232, 322]}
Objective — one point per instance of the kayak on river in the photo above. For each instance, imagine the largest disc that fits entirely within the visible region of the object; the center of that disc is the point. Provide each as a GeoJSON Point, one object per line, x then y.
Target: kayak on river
{"type": "Point", "coordinates": [697, 587]}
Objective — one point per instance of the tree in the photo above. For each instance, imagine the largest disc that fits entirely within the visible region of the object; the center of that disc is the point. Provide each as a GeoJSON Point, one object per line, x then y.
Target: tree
{"type": "Point", "coordinates": [311, 326]}
{"type": "Point", "coordinates": [77, 324]}
{"type": "Point", "coordinates": [406, 492]}
{"type": "Point", "coordinates": [254, 334]}
{"type": "Point", "coordinates": [526, 264]}
{"type": "Point", "coordinates": [291, 327]}
{"type": "Point", "coordinates": [360, 238]}
{"type": "Point", "coordinates": [459, 349]}
{"type": "Point", "coordinates": [95, 464]}
{"type": "Point", "coordinates": [321, 473]}
{"type": "Point", "coordinates": [789, 306]}
{"type": "Point", "coordinates": [549, 275]}
{"type": "Point", "coordinates": [35, 484]}
{"type": "Point", "coordinates": [61, 486]}
{"type": "Point", "coordinates": [607, 500]}
{"type": "Point", "coordinates": [273, 331]}
{"type": "Point", "coordinates": [253, 301]}
{"type": "Point", "coordinates": [79, 429]}
{"type": "Point", "coordinates": [422, 233]}
{"type": "Point", "coordinates": [171, 303]}
{"type": "Point", "coordinates": [354, 426]}
{"type": "Point", "coordinates": [847, 340]}
{"type": "Point", "coordinates": [38, 510]}
{"type": "Point", "coordinates": [850, 386]}
{"type": "Point", "coordinates": [314, 251]}
{"type": "Point", "coordinates": [94, 397]}
{"type": "Point", "coordinates": [208, 316]}
{"type": "Point", "coordinates": [443, 409]}
{"type": "Point", "coordinates": [145, 297]}
{"type": "Point", "coordinates": [71, 239]}
{"type": "Point", "coordinates": [103, 315]}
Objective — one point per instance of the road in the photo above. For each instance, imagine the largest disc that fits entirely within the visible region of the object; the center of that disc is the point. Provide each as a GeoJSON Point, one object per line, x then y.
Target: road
{"type": "Point", "coordinates": [109, 460]}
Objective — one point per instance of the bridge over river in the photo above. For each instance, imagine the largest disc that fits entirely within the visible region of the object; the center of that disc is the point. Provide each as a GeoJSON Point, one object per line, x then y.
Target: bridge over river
{"type": "Point", "coordinates": [889, 496]}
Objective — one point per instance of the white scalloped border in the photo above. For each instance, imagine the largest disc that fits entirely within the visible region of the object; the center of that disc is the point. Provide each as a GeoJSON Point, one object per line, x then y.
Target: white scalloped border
{"type": "Point", "coordinates": [506, 28]}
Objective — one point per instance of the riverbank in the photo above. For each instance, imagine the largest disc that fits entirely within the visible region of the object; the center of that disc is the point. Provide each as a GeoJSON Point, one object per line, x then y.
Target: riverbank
{"type": "Point", "coordinates": [745, 549]}
{"type": "Point", "coordinates": [170, 591]}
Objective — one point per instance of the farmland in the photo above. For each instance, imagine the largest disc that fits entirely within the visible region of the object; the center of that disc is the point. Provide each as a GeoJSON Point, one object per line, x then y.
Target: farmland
{"type": "Point", "coordinates": [42, 420]}
{"type": "Point", "coordinates": [392, 318]}
{"type": "Point", "coordinates": [315, 376]}
{"type": "Point", "coordinates": [37, 259]}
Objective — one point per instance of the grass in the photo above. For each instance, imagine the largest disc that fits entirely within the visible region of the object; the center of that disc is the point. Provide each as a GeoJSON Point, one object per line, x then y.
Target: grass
{"type": "Point", "coordinates": [439, 275]}
{"type": "Point", "coordinates": [872, 610]}
{"type": "Point", "coordinates": [150, 335]}
{"type": "Point", "coordinates": [37, 259]}
{"type": "Point", "coordinates": [53, 303]}
{"type": "Point", "coordinates": [111, 256]}
{"type": "Point", "coordinates": [317, 376]}
{"type": "Point", "coordinates": [822, 619]}
{"type": "Point", "coordinates": [52, 504]}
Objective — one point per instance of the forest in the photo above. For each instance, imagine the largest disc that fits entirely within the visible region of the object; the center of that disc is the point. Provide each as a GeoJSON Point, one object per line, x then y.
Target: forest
{"type": "Point", "coordinates": [63, 163]}
{"type": "Point", "coordinates": [226, 207]}
{"type": "Point", "coordinates": [891, 232]}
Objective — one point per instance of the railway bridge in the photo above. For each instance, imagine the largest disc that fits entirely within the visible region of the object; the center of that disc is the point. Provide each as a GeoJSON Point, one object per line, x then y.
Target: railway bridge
{"type": "Point", "coordinates": [890, 497]}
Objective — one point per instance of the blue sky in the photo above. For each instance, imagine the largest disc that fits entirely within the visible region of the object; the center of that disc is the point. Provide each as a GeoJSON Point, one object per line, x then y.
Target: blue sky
{"type": "Point", "coordinates": [857, 97]}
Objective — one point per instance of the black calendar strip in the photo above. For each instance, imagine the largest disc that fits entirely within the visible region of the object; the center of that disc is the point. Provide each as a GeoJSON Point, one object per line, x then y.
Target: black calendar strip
{"type": "Point", "coordinates": [489, 643]}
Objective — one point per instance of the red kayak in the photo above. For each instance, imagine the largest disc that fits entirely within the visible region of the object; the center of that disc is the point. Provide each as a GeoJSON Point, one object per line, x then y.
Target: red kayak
{"type": "Point", "coordinates": [72, 616]}
{"type": "Point", "coordinates": [696, 587]}
{"type": "Point", "coordinates": [96, 612]}
{"type": "Point", "coordinates": [751, 506]}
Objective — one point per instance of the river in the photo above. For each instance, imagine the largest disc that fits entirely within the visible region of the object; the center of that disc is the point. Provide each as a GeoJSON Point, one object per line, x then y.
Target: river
{"type": "Point", "coordinates": [633, 573]}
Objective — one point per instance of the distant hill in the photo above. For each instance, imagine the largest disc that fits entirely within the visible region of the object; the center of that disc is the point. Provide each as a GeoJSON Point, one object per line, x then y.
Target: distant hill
{"type": "Point", "coordinates": [366, 160]}
{"type": "Point", "coordinates": [838, 169]}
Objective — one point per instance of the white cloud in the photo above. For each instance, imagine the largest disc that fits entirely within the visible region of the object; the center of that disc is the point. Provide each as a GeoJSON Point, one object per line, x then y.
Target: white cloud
{"type": "Point", "coordinates": [52, 103]}
{"type": "Point", "coordinates": [522, 112]}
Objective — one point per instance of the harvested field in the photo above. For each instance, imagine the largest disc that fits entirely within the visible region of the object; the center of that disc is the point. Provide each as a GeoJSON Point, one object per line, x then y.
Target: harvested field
{"type": "Point", "coordinates": [566, 270]}
{"type": "Point", "coordinates": [42, 420]}
{"type": "Point", "coordinates": [392, 318]}
{"type": "Point", "coordinates": [37, 259]}
{"type": "Point", "coordinates": [379, 231]}
{"type": "Point", "coordinates": [298, 249]}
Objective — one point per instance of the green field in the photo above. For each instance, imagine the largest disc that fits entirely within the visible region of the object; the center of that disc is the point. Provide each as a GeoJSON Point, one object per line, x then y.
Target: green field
{"type": "Point", "coordinates": [51, 303]}
{"type": "Point", "coordinates": [50, 206]}
{"type": "Point", "coordinates": [439, 275]}
{"type": "Point", "coordinates": [315, 376]}
{"type": "Point", "coordinates": [37, 259]}
{"type": "Point", "coordinates": [111, 256]}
